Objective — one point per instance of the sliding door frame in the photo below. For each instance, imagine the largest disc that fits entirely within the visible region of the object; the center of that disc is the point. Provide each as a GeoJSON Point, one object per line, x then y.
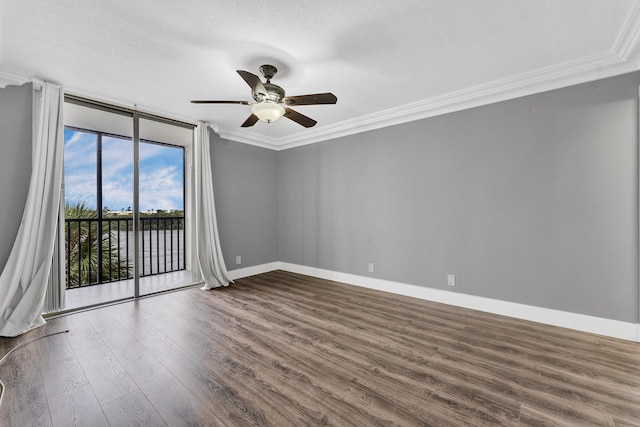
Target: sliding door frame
{"type": "Point", "coordinates": [136, 206]}
{"type": "Point", "coordinates": [136, 116]}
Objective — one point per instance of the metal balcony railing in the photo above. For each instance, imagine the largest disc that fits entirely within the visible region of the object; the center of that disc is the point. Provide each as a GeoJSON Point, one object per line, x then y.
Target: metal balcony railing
{"type": "Point", "coordinates": [100, 251]}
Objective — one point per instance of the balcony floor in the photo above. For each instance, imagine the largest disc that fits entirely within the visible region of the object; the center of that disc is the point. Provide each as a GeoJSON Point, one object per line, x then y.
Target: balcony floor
{"type": "Point", "coordinates": [101, 294]}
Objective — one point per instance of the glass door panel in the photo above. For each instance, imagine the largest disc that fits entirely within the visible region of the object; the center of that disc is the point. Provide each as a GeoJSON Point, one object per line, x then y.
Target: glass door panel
{"type": "Point", "coordinates": [98, 165]}
{"type": "Point", "coordinates": [117, 211]}
{"type": "Point", "coordinates": [164, 239]}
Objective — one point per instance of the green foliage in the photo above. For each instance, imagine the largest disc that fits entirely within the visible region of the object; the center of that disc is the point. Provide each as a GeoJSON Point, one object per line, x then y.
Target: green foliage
{"type": "Point", "coordinates": [81, 252]}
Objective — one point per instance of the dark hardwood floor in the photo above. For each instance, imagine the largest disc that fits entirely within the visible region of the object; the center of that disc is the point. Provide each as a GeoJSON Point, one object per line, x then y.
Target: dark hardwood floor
{"type": "Point", "coordinates": [281, 349]}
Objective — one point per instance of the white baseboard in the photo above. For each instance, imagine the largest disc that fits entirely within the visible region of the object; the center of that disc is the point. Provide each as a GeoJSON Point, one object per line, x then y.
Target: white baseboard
{"type": "Point", "coordinates": [581, 322]}
{"type": "Point", "coordinates": [252, 271]}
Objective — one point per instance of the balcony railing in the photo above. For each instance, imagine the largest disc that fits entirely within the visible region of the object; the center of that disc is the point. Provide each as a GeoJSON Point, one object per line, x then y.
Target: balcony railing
{"type": "Point", "coordinates": [101, 250]}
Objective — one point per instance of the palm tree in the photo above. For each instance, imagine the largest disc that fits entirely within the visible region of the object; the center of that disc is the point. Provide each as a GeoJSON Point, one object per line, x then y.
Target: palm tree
{"type": "Point", "coordinates": [82, 249]}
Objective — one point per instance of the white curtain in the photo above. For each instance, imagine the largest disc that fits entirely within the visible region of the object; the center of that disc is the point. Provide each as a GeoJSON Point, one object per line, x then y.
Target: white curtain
{"type": "Point", "coordinates": [23, 281]}
{"type": "Point", "coordinates": [208, 250]}
{"type": "Point", "coordinates": [55, 296]}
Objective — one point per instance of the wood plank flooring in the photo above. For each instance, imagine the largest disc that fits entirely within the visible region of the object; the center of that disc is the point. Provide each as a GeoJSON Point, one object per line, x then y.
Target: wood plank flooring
{"type": "Point", "coordinates": [281, 349]}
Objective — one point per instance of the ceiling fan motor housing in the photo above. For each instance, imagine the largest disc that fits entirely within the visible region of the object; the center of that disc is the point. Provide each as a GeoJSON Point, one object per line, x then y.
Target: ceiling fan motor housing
{"type": "Point", "coordinates": [275, 94]}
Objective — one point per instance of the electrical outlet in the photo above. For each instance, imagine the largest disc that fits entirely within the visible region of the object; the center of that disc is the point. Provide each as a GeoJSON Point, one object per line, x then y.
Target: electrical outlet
{"type": "Point", "coordinates": [451, 279]}
{"type": "Point", "coordinates": [238, 260]}
{"type": "Point", "coordinates": [370, 267]}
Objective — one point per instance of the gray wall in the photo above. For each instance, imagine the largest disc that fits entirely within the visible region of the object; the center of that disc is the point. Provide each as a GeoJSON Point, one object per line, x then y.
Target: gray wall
{"type": "Point", "coordinates": [532, 200]}
{"type": "Point", "coordinates": [246, 193]}
{"type": "Point", "coordinates": [15, 162]}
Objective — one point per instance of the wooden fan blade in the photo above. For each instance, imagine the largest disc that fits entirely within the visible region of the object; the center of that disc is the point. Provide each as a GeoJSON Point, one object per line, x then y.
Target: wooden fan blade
{"type": "Point", "coordinates": [317, 98]}
{"type": "Point", "coordinates": [206, 101]}
{"type": "Point", "coordinates": [252, 120]}
{"type": "Point", "coordinates": [254, 82]}
{"type": "Point", "coordinates": [301, 119]}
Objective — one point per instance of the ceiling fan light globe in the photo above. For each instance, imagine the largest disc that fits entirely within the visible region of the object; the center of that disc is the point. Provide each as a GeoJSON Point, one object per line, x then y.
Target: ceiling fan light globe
{"type": "Point", "coordinates": [267, 111]}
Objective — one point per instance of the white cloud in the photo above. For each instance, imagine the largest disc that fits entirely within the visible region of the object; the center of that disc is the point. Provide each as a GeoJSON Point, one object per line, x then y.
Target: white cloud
{"type": "Point", "coordinates": [161, 188]}
{"type": "Point", "coordinates": [161, 174]}
{"type": "Point", "coordinates": [77, 136]}
{"type": "Point", "coordinates": [117, 192]}
{"type": "Point", "coordinates": [80, 151]}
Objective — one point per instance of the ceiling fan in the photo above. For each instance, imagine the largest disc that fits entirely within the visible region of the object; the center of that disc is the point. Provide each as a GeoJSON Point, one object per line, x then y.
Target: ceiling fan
{"type": "Point", "coordinates": [271, 102]}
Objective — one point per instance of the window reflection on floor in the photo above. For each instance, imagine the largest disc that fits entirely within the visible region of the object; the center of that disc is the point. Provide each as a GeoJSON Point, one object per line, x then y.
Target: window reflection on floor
{"type": "Point", "coordinates": [100, 294]}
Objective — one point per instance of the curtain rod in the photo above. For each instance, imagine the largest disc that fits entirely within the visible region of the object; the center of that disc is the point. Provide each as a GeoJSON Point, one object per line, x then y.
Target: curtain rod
{"type": "Point", "coordinates": [79, 100]}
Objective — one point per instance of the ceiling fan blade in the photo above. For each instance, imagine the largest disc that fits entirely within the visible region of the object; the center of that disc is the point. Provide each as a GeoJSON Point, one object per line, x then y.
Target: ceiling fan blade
{"type": "Point", "coordinates": [317, 98]}
{"type": "Point", "coordinates": [254, 82]}
{"type": "Point", "coordinates": [301, 119]}
{"type": "Point", "coordinates": [251, 120]}
{"type": "Point", "coordinates": [206, 101]}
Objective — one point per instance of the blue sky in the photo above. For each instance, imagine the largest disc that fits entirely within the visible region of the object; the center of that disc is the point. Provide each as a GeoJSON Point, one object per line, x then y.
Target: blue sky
{"type": "Point", "coordinates": [161, 173]}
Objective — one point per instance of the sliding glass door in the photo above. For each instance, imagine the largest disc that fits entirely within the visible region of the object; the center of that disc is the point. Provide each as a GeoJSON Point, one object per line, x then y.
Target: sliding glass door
{"type": "Point", "coordinates": [127, 231]}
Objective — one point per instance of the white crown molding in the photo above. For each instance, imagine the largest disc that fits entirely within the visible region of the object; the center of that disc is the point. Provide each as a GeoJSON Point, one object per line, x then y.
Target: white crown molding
{"type": "Point", "coordinates": [11, 78]}
{"type": "Point", "coordinates": [247, 137]}
{"type": "Point", "coordinates": [542, 80]}
{"type": "Point", "coordinates": [623, 57]}
{"type": "Point", "coordinates": [580, 322]}
{"type": "Point", "coordinates": [627, 44]}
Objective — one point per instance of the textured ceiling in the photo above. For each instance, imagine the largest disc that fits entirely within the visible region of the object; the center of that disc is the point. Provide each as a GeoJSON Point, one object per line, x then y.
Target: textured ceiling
{"type": "Point", "coordinates": [386, 61]}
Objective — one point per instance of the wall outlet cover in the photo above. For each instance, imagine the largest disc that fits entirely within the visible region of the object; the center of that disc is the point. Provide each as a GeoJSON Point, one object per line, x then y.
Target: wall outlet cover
{"type": "Point", "coordinates": [451, 279]}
